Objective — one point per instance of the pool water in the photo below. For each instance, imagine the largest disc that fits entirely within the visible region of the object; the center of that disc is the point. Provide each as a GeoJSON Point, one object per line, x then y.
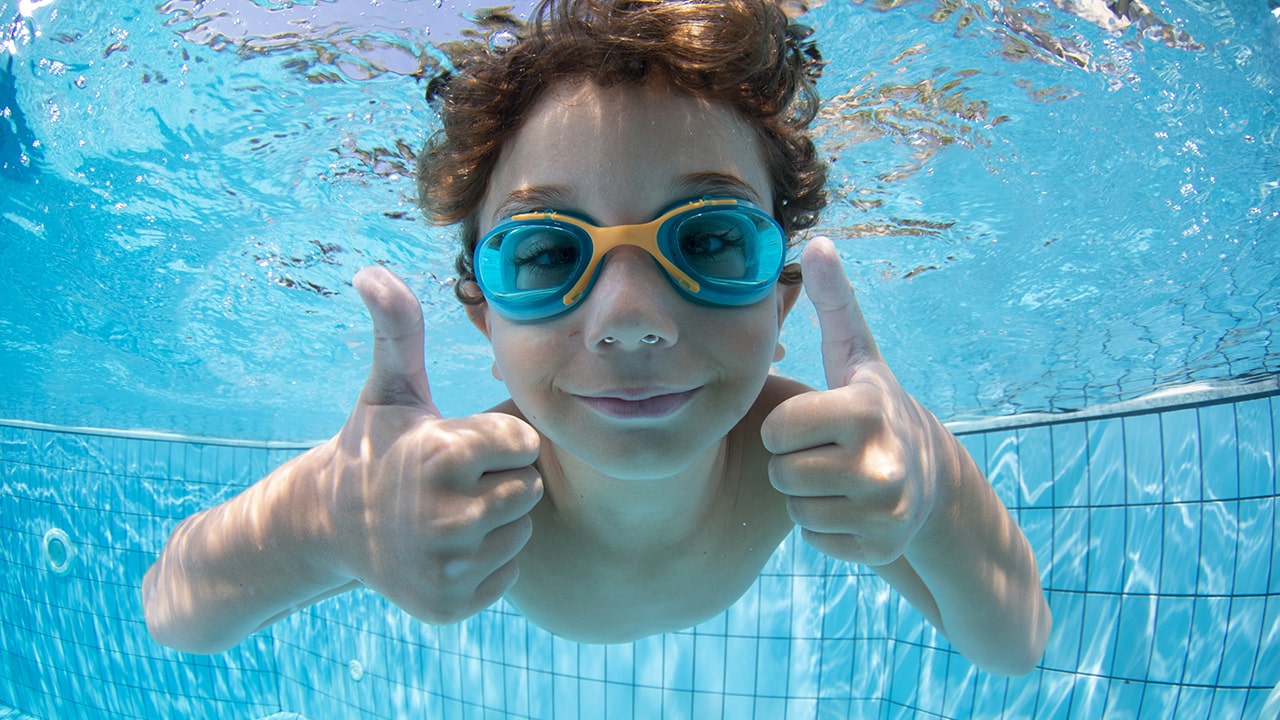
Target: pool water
{"type": "Point", "coordinates": [1063, 230]}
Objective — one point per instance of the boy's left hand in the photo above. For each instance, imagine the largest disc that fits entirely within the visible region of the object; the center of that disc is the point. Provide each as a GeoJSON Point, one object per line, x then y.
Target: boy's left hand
{"type": "Point", "coordinates": [856, 461]}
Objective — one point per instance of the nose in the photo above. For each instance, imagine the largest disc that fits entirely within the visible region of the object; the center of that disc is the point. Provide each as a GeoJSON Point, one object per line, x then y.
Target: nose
{"type": "Point", "coordinates": [631, 305]}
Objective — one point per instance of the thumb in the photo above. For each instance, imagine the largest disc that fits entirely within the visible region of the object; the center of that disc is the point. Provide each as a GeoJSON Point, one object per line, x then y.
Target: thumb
{"type": "Point", "coordinates": [399, 375]}
{"type": "Point", "coordinates": [846, 340]}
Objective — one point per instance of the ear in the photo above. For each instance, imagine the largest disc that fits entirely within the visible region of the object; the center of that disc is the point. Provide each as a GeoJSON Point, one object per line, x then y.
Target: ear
{"type": "Point", "coordinates": [478, 313]}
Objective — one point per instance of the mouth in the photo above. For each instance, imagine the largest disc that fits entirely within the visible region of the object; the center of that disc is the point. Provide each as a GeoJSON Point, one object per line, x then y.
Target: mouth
{"type": "Point", "coordinates": [638, 405]}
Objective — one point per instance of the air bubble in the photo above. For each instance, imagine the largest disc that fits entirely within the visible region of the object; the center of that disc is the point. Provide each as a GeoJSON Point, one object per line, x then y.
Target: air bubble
{"type": "Point", "coordinates": [501, 40]}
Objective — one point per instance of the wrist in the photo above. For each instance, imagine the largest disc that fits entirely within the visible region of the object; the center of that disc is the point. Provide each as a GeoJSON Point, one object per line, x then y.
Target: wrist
{"type": "Point", "coordinates": [302, 505]}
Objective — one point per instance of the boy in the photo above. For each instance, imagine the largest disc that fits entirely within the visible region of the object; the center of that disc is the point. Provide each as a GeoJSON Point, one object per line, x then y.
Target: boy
{"type": "Point", "coordinates": [628, 177]}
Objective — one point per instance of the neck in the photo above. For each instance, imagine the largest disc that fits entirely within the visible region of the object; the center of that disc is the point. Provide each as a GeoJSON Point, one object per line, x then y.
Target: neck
{"type": "Point", "coordinates": [633, 516]}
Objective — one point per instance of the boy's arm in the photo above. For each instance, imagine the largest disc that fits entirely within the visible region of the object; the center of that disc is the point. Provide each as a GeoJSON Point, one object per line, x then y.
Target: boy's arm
{"type": "Point", "coordinates": [232, 569]}
{"type": "Point", "coordinates": [873, 477]}
{"type": "Point", "coordinates": [971, 572]}
{"type": "Point", "coordinates": [427, 511]}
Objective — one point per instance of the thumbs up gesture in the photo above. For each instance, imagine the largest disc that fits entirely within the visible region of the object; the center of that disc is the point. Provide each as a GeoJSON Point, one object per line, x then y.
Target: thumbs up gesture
{"type": "Point", "coordinates": [429, 512]}
{"type": "Point", "coordinates": [855, 461]}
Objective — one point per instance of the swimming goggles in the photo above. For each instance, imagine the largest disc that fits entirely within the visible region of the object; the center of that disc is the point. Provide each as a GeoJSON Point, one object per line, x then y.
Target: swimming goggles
{"type": "Point", "coordinates": [715, 251]}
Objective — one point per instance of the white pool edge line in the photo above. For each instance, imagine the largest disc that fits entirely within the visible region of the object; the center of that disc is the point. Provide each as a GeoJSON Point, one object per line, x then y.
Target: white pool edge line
{"type": "Point", "coordinates": [160, 436]}
{"type": "Point", "coordinates": [1162, 400]}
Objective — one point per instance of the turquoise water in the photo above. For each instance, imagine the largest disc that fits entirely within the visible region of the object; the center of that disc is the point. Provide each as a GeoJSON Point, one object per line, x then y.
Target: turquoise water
{"type": "Point", "coordinates": [1027, 234]}
{"type": "Point", "coordinates": [1042, 216]}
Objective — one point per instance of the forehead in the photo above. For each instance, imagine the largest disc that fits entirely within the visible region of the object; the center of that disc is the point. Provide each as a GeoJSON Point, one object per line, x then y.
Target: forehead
{"type": "Point", "coordinates": [622, 153]}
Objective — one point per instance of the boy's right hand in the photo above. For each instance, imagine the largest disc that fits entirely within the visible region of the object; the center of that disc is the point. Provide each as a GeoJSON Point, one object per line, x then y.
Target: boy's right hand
{"type": "Point", "coordinates": [426, 511]}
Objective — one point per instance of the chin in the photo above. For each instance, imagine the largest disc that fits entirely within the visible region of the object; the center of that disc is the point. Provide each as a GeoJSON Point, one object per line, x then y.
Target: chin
{"type": "Point", "coordinates": [641, 456]}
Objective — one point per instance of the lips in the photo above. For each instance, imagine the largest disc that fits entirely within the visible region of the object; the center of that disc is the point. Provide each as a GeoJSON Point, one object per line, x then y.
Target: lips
{"type": "Point", "coordinates": [638, 404]}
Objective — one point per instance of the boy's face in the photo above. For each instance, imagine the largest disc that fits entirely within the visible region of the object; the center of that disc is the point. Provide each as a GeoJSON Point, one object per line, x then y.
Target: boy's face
{"type": "Point", "coordinates": [636, 380]}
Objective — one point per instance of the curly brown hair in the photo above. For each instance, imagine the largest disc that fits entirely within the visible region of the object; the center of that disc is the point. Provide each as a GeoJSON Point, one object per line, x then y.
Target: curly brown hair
{"type": "Point", "coordinates": [744, 54]}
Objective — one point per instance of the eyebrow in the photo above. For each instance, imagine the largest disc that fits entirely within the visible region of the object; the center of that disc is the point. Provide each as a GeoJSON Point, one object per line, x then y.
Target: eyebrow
{"type": "Point", "coordinates": [701, 184]}
{"type": "Point", "coordinates": [532, 199]}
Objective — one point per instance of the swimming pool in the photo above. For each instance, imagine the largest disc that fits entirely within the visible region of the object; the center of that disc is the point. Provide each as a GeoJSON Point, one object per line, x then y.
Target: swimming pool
{"type": "Point", "coordinates": [1049, 225]}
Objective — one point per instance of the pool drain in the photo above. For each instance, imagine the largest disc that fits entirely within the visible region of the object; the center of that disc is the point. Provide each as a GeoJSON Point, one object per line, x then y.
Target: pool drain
{"type": "Point", "coordinates": [57, 551]}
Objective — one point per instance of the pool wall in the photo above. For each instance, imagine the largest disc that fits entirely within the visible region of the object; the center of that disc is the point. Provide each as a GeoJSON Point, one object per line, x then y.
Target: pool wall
{"type": "Point", "coordinates": [1155, 530]}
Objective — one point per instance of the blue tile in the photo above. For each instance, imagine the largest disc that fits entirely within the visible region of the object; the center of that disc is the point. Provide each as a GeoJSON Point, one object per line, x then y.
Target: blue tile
{"type": "Point", "coordinates": [1144, 548]}
{"type": "Point", "coordinates": [566, 698]}
{"type": "Point", "coordinates": [1228, 703]}
{"type": "Point", "coordinates": [1144, 460]}
{"type": "Point", "coordinates": [708, 705]}
{"type": "Point", "coordinates": [1135, 632]}
{"type": "Point", "coordinates": [1063, 650]}
{"type": "Point", "coordinates": [1098, 635]}
{"type": "Point", "coordinates": [1069, 570]}
{"type": "Point", "coordinates": [1256, 705]}
{"type": "Point", "coordinates": [1219, 458]}
{"type": "Point", "coordinates": [772, 665]}
{"type": "Point", "coordinates": [620, 700]}
{"type": "Point", "coordinates": [1181, 549]}
{"type": "Point", "coordinates": [807, 601]}
{"type": "Point", "coordinates": [648, 661]}
{"type": "Point", "coordinates": [1256, 448]}
{"type": "Point", "coordinates": [743, 616]}
{"type": "Point", "coordinates": [1267, 669]}
{"type": "Point", "coordinates": [1244, 637]}
{"type": "Point", "coordinates": [1089, 699]}
{"type": "Point", "coordinates": [773, 708]}
{"type": "Point", "coordinates": [976, 445]}
{"type": "Point", "coordinates": [647, 702]}
{"type": "Point", "coordinates": [1180, 433]}
{"type": "Point", "coordinates": [828, 709]}
{"type": "Point", "coordinates": [735, 706]}
{"type": "Point", "coordinates": [836, 670]}
{"type": "Point", "coordinates": [1219, 530]}
{"type": "Point", "coordinates": [1070, 465]}
{"type": "Point", "coordinates": [1037, 525]}
{"type": "Point", "coordinates": [740, 666]}
{"type": "Point", "coordinates": [1105, 553]}
{"type": "Point", "coordinates": [593, 699]}
{"type": "Point", "coordinates": [1107, 483]}
{"type": "Point", "coordinates": [677, 704]}
{"type": "Point", "coordinates": [591, 660]}
{"type": "Point", "coordinates": [1035, 457]}
{"type": "Point", "coordinates": [1169, 650]}
{"type": "Point", "coordinates": [1003, 469]}
{"type": "Point", "coordinates": [620, 663]}
{"type": "Point", "coordinates": [677, 658]}
{"type": "Point", "coordinates": [709, 663]}
{"type": "Point", "coordinates": [1159, 701]}
{"type": "Point", "coordinates": [1208, 637]}
{"type": "Point", "coordinates": [1194, 703]}
{"type": "Point", "coordinates": [989, 695]}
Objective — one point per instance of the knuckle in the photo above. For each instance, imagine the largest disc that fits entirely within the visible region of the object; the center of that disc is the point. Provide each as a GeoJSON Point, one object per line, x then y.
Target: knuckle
{"type": "Point", "coordinates": [453, 454]}
{"type": "Point", "coordinates": [805, 512]}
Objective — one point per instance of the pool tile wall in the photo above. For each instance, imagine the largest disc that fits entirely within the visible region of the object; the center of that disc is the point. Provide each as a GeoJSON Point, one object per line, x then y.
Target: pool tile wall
{"type": "Point", "coordinates": [1155, 532]}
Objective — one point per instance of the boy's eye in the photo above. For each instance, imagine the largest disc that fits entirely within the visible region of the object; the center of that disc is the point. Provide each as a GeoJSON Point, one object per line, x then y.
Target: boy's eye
{"type": "Point", "coordinates": [714, 247]}
{"type": "Point", "coordinates": [542, 258]}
